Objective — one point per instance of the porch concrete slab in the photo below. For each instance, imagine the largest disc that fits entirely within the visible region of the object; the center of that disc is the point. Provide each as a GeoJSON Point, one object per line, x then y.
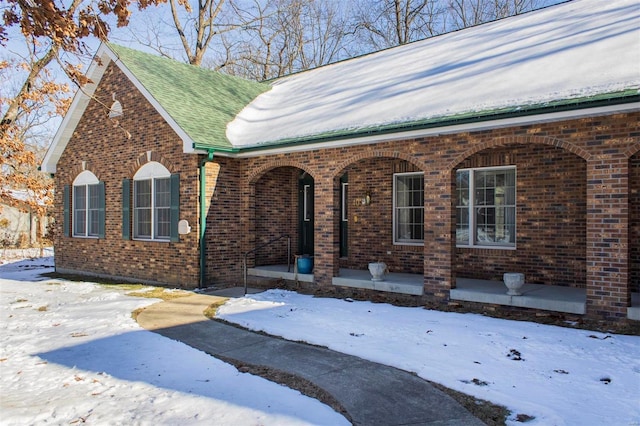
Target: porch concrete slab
{"type": "Point", "coordinates": [535, 296]}
{"type": "Point", "coordinates": [279, 271]}
{"type": "Point", "coordinates": [232, 291]}
{"type": "Point", "coordinates": [394, 282]}
{"type": "Point", "coordinates": [369, 393]}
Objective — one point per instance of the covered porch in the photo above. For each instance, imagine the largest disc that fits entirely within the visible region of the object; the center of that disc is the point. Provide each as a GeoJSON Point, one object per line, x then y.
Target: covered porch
{"type": "Point", "coordinates": [534, 296]}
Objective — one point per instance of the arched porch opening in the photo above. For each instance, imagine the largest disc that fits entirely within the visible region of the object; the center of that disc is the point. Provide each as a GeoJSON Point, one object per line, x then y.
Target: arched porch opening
{"type": "Point", "coordinates": [521, 207]}
{"type": "Point", "coordinates": [284, 206]}
{"type": "Point", "coordinates": [379, 205]}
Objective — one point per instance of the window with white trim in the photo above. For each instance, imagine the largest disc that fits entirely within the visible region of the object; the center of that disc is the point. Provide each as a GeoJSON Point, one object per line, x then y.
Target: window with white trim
{"type": "Point", "coordinates": [88, 205]}
{"type": "Point", "coordinates": [344, 215]}
{"type": "Point", "coordinates": [152, 202]}
{"type": "Point", "coordinates": [486, 207]}
{"type": "Point", "coordinates": [408, 208]}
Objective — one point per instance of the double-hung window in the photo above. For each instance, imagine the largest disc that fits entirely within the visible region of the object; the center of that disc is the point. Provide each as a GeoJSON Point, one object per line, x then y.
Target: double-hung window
{"type": "Point", "coordinates": [155, 204]}
{"type": "Point", "coordinates": [486, 207]}
{"type": "Point", "coordinates": [88, 206]}
{"type": "Point", "coordinates": [151, 208]}
{"type": "Point", "coordinates": [408, 208]}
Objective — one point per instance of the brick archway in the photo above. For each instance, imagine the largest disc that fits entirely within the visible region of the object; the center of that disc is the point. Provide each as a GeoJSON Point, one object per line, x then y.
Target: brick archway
{"type": "Point", "coordinates": [256, 174]}
{"type": "Point", "coordinates": [633, 150]}
{"type": "Point", "coordinates": [149, 157]}
{"type": "Point", "coordinates": [273, 196]}
{"type": "Point", "coordinates": [377, 154]}
{"type": "Point", "coordinates": [519, 140]}
{"type": "Point", "coordinates": [83, 166]}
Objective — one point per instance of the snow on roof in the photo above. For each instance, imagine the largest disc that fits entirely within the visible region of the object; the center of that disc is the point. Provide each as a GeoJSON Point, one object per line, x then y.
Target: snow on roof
{"type": "Point", "coordinates": [573, 50]}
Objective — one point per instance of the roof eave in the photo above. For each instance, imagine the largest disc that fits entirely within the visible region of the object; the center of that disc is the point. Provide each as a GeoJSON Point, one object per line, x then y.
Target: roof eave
{"type": "Point", "coordinates": [445, 125]}
{"type": "Point", "coordinates": [102, 58]}
{"type": "Point", "coordinates": [76, 110]}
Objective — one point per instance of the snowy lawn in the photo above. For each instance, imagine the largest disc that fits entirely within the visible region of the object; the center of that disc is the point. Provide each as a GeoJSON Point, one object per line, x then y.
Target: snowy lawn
{"type": "Point", "coordinates": [70, 353]}
{"type": "Point", "coordinates": [560, 376]}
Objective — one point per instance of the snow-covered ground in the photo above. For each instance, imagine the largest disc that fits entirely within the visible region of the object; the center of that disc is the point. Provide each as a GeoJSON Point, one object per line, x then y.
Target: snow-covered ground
{"type": "Point", "coordinates": [70, 353]}
{"type": "Point", "coordinates": [561, 376]}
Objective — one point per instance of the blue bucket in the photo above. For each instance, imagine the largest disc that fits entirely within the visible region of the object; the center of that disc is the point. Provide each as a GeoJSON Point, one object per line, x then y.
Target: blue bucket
{"type": "Point", "coordinates": [305, 265]}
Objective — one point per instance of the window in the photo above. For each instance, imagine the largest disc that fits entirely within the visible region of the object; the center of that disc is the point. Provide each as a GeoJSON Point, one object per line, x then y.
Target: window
{"type": "Point", "coordinates": [306, 203]}
{"type": "Point", "coordinates": [486, 207]}
{"type": "Point", "coordinates": [408, 206]}
{"type": "Point", "coordinates": [344, 215]}
{"type": "Point", "coordinates": [88, 206]}
{"type": "Point", "coordinates": [344, 195]}
{"type": "Point", "coordinates": [155, 204]}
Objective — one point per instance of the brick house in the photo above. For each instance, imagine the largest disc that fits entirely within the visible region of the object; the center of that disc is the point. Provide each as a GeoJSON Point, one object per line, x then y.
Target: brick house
{"type": "Point", "coordinates": [513, 146]}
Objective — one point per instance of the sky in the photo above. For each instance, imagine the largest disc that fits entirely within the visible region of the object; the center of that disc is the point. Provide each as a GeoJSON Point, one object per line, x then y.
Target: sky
{"type": "Point", "coordinates": [144, 24]}
{"type": "Point", "coordinates": [69, 352]}
{"type": "Point", "coordinates": [568, 51]}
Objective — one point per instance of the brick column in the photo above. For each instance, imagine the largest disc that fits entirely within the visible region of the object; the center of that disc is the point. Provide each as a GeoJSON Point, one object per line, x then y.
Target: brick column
{"type": "Point", "coordinates": [607, 237]}
{"type": "Point", "coordinates": [326, 242]}
{"type": "Point", "coordinates": [438, 242]}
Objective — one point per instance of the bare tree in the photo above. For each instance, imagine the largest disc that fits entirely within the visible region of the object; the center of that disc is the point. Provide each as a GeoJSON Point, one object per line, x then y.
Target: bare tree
{"type": "Point", "coordinates": [202, 24]}
{"type": "Point", "coordinates": [287, 36]}
{"type": "Point", "coordinates": [465, 13]}
{"type": "Point", "coordinates": [189, 30]}
{"type": "Point", "coordinates": [388, 23]}
{"type": "Point", "coordinates": [50, 30]}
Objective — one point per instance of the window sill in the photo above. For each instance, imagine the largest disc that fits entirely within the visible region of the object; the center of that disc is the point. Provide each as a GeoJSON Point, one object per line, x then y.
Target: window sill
{"type": "Point", "coordinates": [487, 247]}
{"type": "Point", "coordinates": [407, 243]}
{"type": "Point", "coordinates": [152, 240]}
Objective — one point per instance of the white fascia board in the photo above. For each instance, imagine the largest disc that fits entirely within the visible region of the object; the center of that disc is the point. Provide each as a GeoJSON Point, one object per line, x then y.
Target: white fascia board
{"type": "Point", "coordinates": [74, 114]}
{"type": "Point", "coordinates": [187, 142]}
{"type": "Point", "coordinates": [443, 130]}
{"type": "Point", "coordinates": [82, 98]}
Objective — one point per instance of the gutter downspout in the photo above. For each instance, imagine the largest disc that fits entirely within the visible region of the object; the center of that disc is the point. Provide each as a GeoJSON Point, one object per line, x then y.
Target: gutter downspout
{"type": "Point", "coordinates": [203, 216]}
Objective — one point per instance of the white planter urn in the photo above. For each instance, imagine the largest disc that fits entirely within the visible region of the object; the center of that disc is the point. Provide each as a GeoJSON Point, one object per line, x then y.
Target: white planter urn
{"type": "Point", "coordinates": [377, 270]}
{"type": "Point", "coordinates": [514, 282]}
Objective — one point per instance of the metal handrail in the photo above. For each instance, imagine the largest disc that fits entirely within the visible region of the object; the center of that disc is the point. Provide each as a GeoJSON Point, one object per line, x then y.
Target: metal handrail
{"type": "Point", "coordinates": [244, 259]}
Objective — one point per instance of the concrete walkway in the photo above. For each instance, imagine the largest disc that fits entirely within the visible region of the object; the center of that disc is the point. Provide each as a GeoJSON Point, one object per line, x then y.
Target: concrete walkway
{"type": "Point", "coordinates": [370, 393]}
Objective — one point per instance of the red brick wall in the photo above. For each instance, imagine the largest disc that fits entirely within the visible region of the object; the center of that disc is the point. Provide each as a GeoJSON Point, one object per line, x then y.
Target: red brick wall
{"type": "Point", "coordinates": [634, 222]}
{"type": "Point", "coordinates": [224, 229]}
{"type": "Point", "coordinates": [276, 214]}
{"type": "Point", "coordinates": [112, 157]}
{"type": "Point", "coordinates": [554, 254]}
{"type": "Point", "coordinates": [370, 230]}
{"type": "Point", "coordinates": [550, 218]}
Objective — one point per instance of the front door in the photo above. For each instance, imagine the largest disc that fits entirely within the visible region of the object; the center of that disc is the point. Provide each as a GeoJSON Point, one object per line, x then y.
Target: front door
{"type": "Point", "coordinates": [305, 201]}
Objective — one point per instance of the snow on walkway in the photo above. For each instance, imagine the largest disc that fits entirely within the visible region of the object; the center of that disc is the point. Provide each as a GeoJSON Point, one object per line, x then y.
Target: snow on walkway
{"type": "Point", "coordinates": [561, 376]}
{"type": "Point", "coordinates": [71, 353]}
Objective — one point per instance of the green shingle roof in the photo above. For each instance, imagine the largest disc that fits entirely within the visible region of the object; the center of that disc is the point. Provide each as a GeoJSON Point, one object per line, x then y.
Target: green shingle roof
{"type": "Point", "coordinates": [200, 101]}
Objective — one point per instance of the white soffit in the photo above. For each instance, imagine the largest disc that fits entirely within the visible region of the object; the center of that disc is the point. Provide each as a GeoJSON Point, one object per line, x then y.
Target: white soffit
{"type": "Point", "coordinates": [84, 95]}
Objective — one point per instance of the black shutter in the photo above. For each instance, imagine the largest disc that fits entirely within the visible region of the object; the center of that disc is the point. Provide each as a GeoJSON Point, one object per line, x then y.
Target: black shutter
{"type": "Point", "coordinates": [66, 223]}
{"type": "Point", "coordinates": [101, 210]}
{"type": "Point", "coordinates": [175, 207]}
